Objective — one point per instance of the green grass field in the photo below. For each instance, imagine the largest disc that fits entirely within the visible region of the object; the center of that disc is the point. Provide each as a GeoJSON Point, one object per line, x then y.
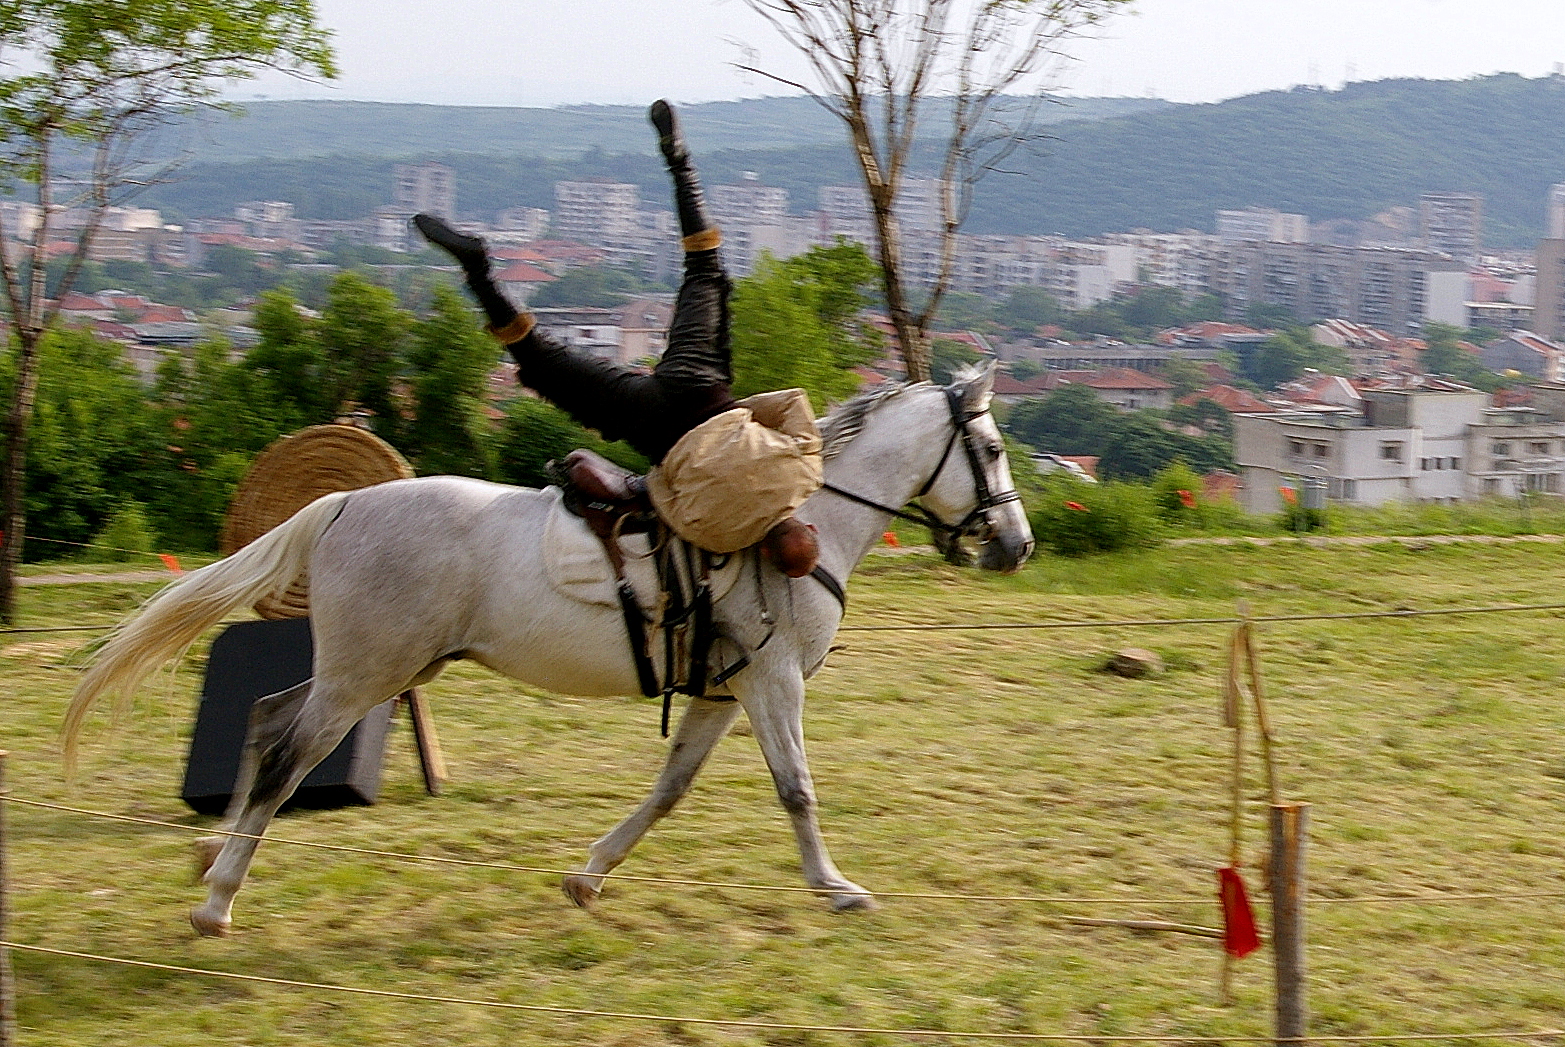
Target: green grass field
{"type": "Point", "coordinates": [999, 762]}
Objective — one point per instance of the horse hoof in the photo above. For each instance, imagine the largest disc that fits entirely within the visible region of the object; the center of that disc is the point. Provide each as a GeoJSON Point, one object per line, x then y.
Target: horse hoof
{"type": "Point", "coordinates": [207, 849]}
{"type": "Point", "coordinates": [581, 890]}
{"type": "Point", "coordinates": [208, 927]}
{"type": "Point", "coordinates": [854, 903]}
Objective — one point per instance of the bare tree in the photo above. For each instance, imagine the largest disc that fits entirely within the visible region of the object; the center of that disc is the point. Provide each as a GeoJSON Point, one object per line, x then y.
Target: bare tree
{"type": "Point", "coordinates": [882, 66]}
{"type": "Point", "coordinates": [83, 86]}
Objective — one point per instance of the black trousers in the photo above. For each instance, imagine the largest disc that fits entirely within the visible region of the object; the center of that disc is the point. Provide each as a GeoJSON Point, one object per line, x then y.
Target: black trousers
{"type": "Point", "coordinates": [691, 383]}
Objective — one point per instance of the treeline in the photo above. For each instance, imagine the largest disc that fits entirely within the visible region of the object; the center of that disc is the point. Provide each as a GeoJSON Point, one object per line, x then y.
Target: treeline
{"type": "Point", "coordinates": [1351, 153]}
{"type": "Point", "coordinates": [165, 453]}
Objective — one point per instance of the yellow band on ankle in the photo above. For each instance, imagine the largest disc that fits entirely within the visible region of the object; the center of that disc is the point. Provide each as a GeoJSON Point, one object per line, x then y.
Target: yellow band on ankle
{"type": "Point", "coordinates": [514, 331]}
{"type": "Point", "coordinates": [706, 240]}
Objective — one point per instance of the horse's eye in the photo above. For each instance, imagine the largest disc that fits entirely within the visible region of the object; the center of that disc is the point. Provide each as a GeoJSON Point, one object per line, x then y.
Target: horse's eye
{"type": "Point", "coordinates": [995, 452]}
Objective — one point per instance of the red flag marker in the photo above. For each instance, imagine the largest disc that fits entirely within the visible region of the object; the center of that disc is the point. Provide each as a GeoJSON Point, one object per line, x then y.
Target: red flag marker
{"type": "Point", "coordinates": [171, 563]}
{"type": "Point", "coordinates": [1240, 938]}
{"type": "Point", "coordinates": [890, 539]}
{"type": "Point", "coordinates": [1187, 499]}
{"type": "Point", "coordinates": [1289, 496]}
{"type": "Point", "coordinates": [1076, 507]}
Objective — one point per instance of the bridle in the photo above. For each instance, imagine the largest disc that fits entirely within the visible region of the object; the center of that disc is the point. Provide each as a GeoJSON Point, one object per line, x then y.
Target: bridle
{"type": "Point", "coordinates": [975, 521]}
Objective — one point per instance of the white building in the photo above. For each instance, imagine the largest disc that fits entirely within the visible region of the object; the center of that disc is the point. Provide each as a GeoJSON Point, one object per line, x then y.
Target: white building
{"type": "Point", "coordinates": [1427, 445]}
{"type": "Point", "coordinates": [1263, 223]}
{"type": "Point", "coordinates": [596, 213]}
{"type": "Point", "coordinates": [428, 187]}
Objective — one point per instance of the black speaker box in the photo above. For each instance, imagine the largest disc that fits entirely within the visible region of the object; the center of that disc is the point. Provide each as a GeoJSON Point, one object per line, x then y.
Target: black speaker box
{"type": "Point", "coordinates": [250, 660]}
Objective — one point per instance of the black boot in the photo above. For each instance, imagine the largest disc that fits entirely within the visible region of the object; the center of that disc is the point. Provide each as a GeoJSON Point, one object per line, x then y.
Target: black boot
{"type": "Point", "coordinates": [468, 251]}
{"type": "Point", "coordinates": [473, 257]}
{"type": "Point", "coordinates": [700, 233]}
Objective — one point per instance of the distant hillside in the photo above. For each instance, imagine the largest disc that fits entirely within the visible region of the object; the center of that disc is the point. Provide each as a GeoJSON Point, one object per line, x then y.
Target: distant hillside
{"type": "Point", "coordinates": [1327, 154]}
{"type": "Point", "coordinates": [294, 130]}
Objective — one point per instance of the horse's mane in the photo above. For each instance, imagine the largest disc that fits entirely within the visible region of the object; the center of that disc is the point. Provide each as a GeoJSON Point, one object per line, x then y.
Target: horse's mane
{"type": "Point", "coordinates": [846, 420]}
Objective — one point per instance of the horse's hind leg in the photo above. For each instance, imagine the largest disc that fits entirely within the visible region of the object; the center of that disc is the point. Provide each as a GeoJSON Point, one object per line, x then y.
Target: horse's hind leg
{"type": "Point", "coordinates": [701, 727]}
{"type": "Point", "coordinates": [269, 716]}
{"type": "Point", "coordinates": [288, 738]}
{"type": "Point", "coordinates": [775, 705]}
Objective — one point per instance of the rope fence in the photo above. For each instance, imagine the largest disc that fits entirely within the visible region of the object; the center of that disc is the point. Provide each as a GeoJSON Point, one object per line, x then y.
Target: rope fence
{"type": "Point", "coordinates": [1025, 899]}
{"type": "Point", "coordinates": [1288, 1031]}
{"type": "Point", "coordinates": [1084, 623]}
{"type": "Point", "coordinates": [732, 1023]}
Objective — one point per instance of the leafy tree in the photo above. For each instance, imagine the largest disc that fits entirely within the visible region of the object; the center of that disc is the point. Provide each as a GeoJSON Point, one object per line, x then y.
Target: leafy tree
{"type": "Point", "coordinates": [1445, 355]}
{"type": "Point", "coordinates": [290, 361]}
{"type": "Point", "coordinates": [361, 333]}
{"type": "Point", "coordinates": [240, 269]}
{"type": "Point", "coordinates": [1205, 414]}
{"type": "Point", "coordinates": [962, 311]}
{"type": "Point", "coordinates": [794, 325]}
{"type": "Point", "coordinates": [879, 64]}
{"type": "Point", "coordinates": [535, 433]}
{"type": "Point", "coordinates": [1152, 307]}
{"type": "Point", "coordinates": [1025, 370]}
{"type": "Point", "coordinates": [216, 416]}
{"type": "Point", "coordinates": [1138, 447]}
{"type": "Point", "coordinates": [1070, 420]}
{"type": "Point", "coordinates": [94, 443]}
{"type": "Point", "coordinates": [1281, 358]}
{"type": "Point", "coordinates": [1025, 309]}
{"type": "Point", "coordinates": [105, 76]}
{"type": "Point", "coordinates": [450, 360]}
{"type": "Point", "coordinates": [1269, 316]}
{"type": "Point", "coordinates": [1185, 375]}
{"type": "Point", "coordinates": [948, 355]}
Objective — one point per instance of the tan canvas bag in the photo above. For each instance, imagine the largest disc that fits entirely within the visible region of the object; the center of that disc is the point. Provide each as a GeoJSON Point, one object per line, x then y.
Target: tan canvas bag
{"type": "Point", "coordinates": [738, 474]}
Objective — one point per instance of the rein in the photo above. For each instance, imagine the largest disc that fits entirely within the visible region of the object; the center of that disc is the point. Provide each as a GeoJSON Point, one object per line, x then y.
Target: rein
{"type": "Point", "coordinates": [987, 499]}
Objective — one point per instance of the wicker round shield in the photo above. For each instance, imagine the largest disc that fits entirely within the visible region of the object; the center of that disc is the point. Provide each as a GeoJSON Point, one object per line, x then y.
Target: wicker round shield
{"type": "Point", "coordinates": [291, 473]}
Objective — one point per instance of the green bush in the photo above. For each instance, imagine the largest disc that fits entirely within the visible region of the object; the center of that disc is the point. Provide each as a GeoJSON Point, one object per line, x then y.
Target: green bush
{"type": "Point", "coordinates": [1170, 490]}
{"type": "Point", "coordinates": [1299, 520]}
{"type": "Point", "coordinates": [126, 536]}
{"type": "Point", "coordinates": [1075, 518]}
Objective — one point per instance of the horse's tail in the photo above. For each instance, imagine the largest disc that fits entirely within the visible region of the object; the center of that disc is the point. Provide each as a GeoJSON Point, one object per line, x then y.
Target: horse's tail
{"type": "Point", "coordinates": [172, 620]}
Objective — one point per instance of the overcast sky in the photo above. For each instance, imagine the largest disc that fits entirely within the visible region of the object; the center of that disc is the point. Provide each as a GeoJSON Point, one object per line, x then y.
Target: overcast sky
{"type": "Point", "coordinates": [557, 52]}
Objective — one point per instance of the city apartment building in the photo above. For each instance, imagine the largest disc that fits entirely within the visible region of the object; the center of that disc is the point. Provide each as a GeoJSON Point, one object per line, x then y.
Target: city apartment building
{"type": "Point", "coordinates": [1437, 444]}
{"type": "Point", "coordinates": [1451, 223]}
{"type": "Point", "coordinates": [750, 201]}
{"type": "Point", "coordinates": [1394, 290]}
{"type": "Point", "coordinates": [1262, 223]}
{"type": "Point", "coordinates": [596, 213]}
{"type": "Point", "coordinates": [428, 187]}
{"type": "Point", "coordinates": [1548, 316]}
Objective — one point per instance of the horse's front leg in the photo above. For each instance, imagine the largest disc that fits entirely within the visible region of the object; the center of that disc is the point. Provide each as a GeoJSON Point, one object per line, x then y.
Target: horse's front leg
{"type": "Point", "coordinates": [774, 703]}
{"type": "Point", "coordinates": [700, 728]}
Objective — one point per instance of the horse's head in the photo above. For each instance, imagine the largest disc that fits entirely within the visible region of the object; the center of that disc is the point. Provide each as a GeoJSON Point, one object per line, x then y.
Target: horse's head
{"type": "Point", "coordinates": [972, 490]}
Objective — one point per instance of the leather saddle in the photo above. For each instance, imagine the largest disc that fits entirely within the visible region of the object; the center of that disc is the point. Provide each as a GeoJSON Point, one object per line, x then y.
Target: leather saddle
{"type": "Point", "coordinates": [612, 499]}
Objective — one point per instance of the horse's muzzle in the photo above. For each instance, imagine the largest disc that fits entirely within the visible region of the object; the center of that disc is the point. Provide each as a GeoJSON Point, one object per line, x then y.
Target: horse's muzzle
{"type": "Point", "coordinates": [1006, 553]}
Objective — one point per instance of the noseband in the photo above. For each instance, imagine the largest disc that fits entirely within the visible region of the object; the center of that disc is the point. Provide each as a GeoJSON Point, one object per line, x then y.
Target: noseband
{"type": "Point", "coordinates": [976, 520]}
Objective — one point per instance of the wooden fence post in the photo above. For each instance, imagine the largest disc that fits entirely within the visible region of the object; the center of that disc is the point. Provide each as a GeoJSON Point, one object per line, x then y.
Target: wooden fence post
{"type": "Point", "coordinates": [1289, 831]}
{"type": "Point", "coordinates": [7, 984]}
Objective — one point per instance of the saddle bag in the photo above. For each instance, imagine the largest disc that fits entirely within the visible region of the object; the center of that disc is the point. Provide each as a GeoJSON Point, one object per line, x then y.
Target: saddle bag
{"type": "Point", "coordinates": [735, 476]}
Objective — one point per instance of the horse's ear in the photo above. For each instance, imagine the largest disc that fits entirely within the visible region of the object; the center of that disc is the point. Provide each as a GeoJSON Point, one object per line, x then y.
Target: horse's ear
{"type": "Point", "coordinates": [977, 386]}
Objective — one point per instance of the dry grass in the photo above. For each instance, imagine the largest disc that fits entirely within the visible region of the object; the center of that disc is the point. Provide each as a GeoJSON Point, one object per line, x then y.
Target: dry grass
{"type": "Point", "coordinates": [997, 763]}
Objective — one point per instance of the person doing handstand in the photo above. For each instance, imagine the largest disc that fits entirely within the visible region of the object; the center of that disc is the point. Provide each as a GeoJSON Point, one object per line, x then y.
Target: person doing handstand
{"type": "Point", "coordinates": [690, 385]}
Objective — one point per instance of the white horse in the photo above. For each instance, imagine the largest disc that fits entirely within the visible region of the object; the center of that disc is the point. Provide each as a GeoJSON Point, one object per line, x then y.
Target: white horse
{"type": "Point", "coordinates": [406, 576]}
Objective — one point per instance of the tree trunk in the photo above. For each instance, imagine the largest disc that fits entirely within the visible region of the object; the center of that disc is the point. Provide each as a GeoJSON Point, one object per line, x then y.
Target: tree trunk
{"type": "Point", "coordinates": [915, 347]}
{"type": "Point", "coordinates": [13, 517]}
